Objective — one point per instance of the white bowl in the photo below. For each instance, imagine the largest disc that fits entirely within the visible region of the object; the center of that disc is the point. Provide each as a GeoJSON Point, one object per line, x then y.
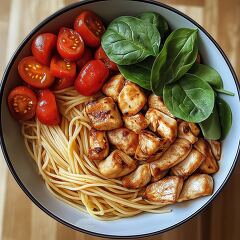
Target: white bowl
{"type": "Point", "coordinates": [25, 171]}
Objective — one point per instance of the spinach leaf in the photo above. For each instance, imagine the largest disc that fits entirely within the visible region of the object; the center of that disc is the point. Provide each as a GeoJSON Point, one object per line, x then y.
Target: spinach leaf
{"type": "Point", "coordinates": [210, 127]}
{"type": "Point", "coordinates": [138, 73]}
{"type": "Point", "coordinates": [190, 98]}
{"type": "Point", "coordinates": [209, 75]}
{"type": "Point", "coordinates": [157, 20]}
{"type": "Point", "coordinates": [175, 59]}
{"type": "Point", "coordinates": [129, 40]}
{"type": "Point", "coordinates": [225, 117]}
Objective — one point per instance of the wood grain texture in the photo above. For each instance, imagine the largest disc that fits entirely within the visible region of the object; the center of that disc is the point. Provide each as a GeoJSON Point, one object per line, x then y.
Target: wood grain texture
{"type": "Point", "coordinates": [22, 220]}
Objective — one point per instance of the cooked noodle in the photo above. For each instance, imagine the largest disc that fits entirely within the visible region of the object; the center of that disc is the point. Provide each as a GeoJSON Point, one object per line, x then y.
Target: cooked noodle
{"type": "Point", "coordinates": [61, 155]}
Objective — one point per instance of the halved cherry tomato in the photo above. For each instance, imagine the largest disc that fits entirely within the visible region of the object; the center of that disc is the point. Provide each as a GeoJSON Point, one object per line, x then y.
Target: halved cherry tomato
{"type": "Point", "coordinates": [70, 44]}
{"type": "Point", "coordinates": [34, 73]}
{"type": "Point", "coordinates": [22, 103]}
{"type": "Point", "coordinates": [47, 110]}
{"type": "Point", "coordinates": [90, 27]}
{"type": "Point", "coordinates": [86, 57]}
{"type": "Point", "coordinates": [43, 46]}
{"type": "Point", "coordinates": [63, 83]}
{"type": "Point", "coordinates": [62, 68]}
{"type": "Point", "coordinates": [101, 55]}
{"type": "Point", "coordinates": [91, 78]}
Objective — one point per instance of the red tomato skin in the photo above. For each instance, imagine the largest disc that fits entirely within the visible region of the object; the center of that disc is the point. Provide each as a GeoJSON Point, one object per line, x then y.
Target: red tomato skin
{"type": "Point", "coordinates": [43, 46]}
{"type": "Point", "coordinates": [27, 93]}
{"type": "Point", "coordinates": [72, 53]}
{"type": "Point", "coordinates": [47, 110]}
{"type": "Point", "coordinates": [36, 70]}
{"type": "Point", "coordinates": [58, 68]}
{"type": "Point", "coordinates": [101, 55]}
{"type": "Point", "coordinates": [91, 78]}
{"type": "Point", "coordinates": [63, 83]}
{"type": "Point", "coordinates": [86, 57]}
{"type": "Point", "coordinates": [91, 39]}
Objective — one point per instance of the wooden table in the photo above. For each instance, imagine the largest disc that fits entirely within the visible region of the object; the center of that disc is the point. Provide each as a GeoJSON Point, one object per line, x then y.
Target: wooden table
{"type": "Point", "coordinates": [20, 219]}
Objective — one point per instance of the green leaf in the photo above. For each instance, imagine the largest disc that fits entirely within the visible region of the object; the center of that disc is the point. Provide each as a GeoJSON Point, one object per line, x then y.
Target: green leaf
{"type": "Point", "coordinates": [209, 75]}
{"type": "Point", "coordinates": [176, 57]}
{"type": "Point", "coordinates": [190, 99]}
{"type": "Point", "coordinates": [138, 73]}
{"type": "Point", "coordinates": [129, 40]}
{"type": "Point", "coordinates": [210, 127]}
{"type": "Point", "coordinates": [225, 116]}
{"type": "Point", "coordinates": [157, 20]}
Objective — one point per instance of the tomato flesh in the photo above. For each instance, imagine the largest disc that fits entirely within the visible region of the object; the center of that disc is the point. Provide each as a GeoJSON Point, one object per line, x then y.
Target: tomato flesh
{"type": "Point", "coordinates": [63, 83]}
{"type": "Point", "coordinates": [91, 78]}
{"type": "Point", "coordinates": [43, 46]}
{"type": "Point", "coordinates": [22, 103]}
{"type": "Point", "coordinates": [70, 44]}
{"type": "Point", "coordinates": [62, 68]}
{"type": "Point", "coordinates": [90, 27]}
{"type": "Point", "coordinates": [47, 110]}
{"type": "Point", "coordinates": [101, 55]}
{"type": "Point", "coordinates": [86, 57]}
{"type": "Point", "coordinates": [34, 73]}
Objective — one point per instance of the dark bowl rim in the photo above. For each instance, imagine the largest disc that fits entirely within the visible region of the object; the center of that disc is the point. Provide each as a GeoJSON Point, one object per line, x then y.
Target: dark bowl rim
{"type": "Point", "coordinates": [7, 159]}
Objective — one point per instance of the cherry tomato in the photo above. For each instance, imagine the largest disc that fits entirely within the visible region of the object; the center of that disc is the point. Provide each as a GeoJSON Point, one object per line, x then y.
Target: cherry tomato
{"type": "Point", "coordinates": [91, 78]}
{"type": "Point", "coordinates": [62, 68]}
{"type": "Point", "coordinates": [101, 55]}
{"type": "Point", "coordinates": [47, 110]}
{"type": "Point", "coordinates": [90, 27]}
{"type": "Point", "coordinates": [86, 57]}
{"type": "Point", "coordinates": [63, 83]}
{"type": "Point", "coordinates": [43, 46]}
{"type": "Point", "coordinates": [70, 44]}
{"type": "Point", "coordinates": [198, 59]}
{"type": "Point", "coordinates": [22, 103]}
{"type": "Point", "coordinates": [34, 73]}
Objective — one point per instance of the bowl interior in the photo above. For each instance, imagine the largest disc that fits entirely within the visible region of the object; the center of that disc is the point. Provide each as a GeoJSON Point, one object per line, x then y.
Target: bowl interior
{"type": "Point", "coordinates": [26, 169]}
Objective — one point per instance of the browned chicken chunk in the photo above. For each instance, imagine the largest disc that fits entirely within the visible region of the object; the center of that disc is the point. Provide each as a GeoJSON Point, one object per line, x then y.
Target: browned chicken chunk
{"type": "Point", "coordinates": [165, 126]}
{"type": "Point", "coordinates": [131, 99]}
{"type": "Point", "coordinates": [104, 114]}
{"type": "Point", "coordinates": [176, 153]}
{"type": "Point", "coordinates": [160, 175]}
{"type": "Point", "coordinates": [195, 186]}
{"type": "Point", "coordinates": [210, 164]}
{"type": "Point", "coordinates": [189, 164]}
{"type": "Point", "coordinates": [194, 128]}
{"type": "Point", "coordinates": [135, 123]}
{"type": "Point", "coordinates": [184, 131]}
{"type": "Point", "coordinates": [165, 191]}
{"type": "Point", "coordinates": [114, 86]}
{"type": "Point", "coordinates": [139, 178]}
{"type": "Point", "coordinates": [124, 139]}
{"type": "Point", "coordinates": [98, 145]}
{"type": "Point", "coordinates": [156, 102]}
{"type": "Point", "coordinates": [116, 165]}
{"type": "Point", "coordinates": [216, 148]}
{"type": "Point", "coordinates": [140, 155]}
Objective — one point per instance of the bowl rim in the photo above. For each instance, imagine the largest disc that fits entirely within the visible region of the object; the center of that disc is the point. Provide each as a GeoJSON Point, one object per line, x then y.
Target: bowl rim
{"type": "Point", "coordinates": [8, 161]}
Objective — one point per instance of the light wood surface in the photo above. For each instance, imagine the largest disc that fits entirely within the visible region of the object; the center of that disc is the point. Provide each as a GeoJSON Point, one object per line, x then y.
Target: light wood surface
{"type": "Point", "coordinates": [20, 219]}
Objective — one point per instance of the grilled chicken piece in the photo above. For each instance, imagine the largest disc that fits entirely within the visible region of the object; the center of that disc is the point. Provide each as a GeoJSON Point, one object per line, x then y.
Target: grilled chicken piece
{"type": "Point", "coordinates": [210, 164]}
{"type": "Point", "coordinates": [116, 165]}
{"type": "Point", "coordinates": [114, 86]}
{"type": "Point", "coordinates": [155, 156]}
{"type": "Point", "coordinates": [150, 143]}
{"type": "Point", "coordinates": [184, 131]}
{"type": "Point", "coordinates": [197, 185]}
{"type": "Point", "coordinates": [176, 153]}
{"type": "Point", "coordinates": [165, 191]}
{"type": "Point", "coordinates": [194, 128]}
{"type": "Point", "coordinates": [140, 155]}
{"type": "Point", "coordinates": [135, 123]}
{"type": "Point", "coordinates": [104, 114]}
{"type": "Point", "coordinates": [98, 145]}
{"type": "Point", "coordinates": [124, 140]}
{"type": "Point", "coordinates": [160, 175]}
{"type": "Point", "coordinates": [216, 148]}
{"type": "Point", "coordinates": [131, 99]}
{"type": "Point", "coordinates": [165, 126]}
{"type": "Point", "coordinates": [156, 102]}
{"type": "Point", "coordinates": [139, 178]}
{"type": "Point", "coordinates": [189, 164]}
